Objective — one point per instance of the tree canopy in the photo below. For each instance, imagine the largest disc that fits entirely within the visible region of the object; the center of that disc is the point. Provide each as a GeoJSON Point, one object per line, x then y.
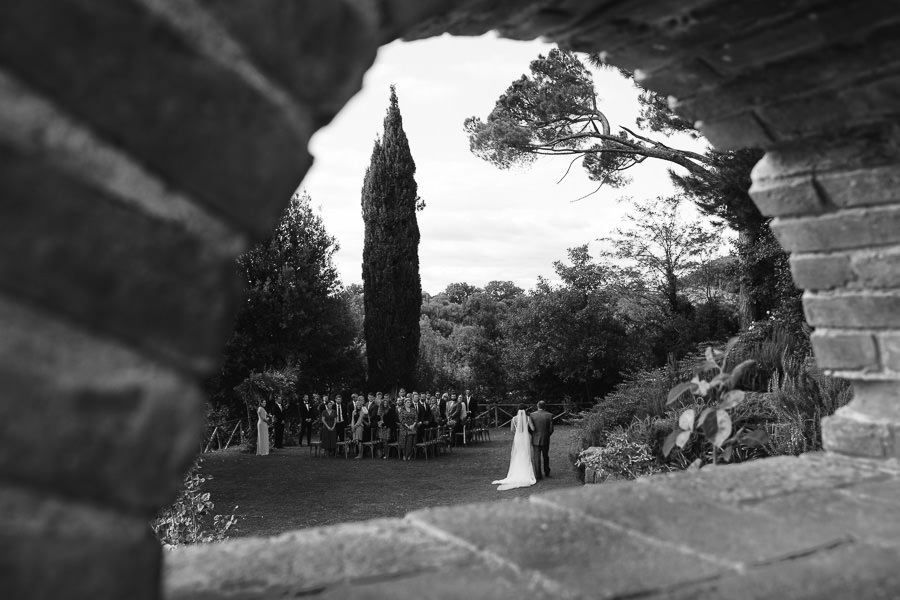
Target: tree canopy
{"type": "Point", "coordinates": [392, 288]}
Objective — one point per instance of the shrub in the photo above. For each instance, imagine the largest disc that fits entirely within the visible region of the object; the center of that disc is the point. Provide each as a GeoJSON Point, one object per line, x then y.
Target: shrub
{"type": "Point", "coordinates": [190, 519]}
{"type": "Point", "coordinates": [625, 456]}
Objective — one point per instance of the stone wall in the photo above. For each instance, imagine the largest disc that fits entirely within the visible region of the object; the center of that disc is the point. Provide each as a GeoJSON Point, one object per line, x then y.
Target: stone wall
{"type": "Point", "coordinates": [145, 143]}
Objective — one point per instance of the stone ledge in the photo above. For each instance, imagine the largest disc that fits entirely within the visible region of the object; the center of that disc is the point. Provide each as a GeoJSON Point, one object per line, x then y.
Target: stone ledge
{"type": "Point", "coordinates": [768, 523]}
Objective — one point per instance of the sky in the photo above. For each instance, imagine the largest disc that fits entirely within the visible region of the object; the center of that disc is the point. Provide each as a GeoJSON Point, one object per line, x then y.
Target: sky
{"type": "Point", "coordinates": [480, 223]}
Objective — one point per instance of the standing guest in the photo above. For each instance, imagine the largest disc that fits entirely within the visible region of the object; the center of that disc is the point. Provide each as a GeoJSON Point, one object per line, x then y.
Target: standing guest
{"type": "Point", "coordinates": [359, 421]}
{"type": "Point", "coordinates": [442, 407]}
{"type": "Point", "coordinates": [322, 404]}
{"type": "Point", "coordinates": [454, 419]}
{"type": "Point", "coordinates": [329, 429]}
{"type": "Point", "coordinates": [471, 404]}
{"type": "Point", "coordinates": [307, 418]}
{"type": "Point", "coordinates": [341, 411]}
{"type": "Point", "coordinates": [431, 401]}
{"type": "Point", "coordinates": [406, 438]}
{"type": "Point", "coordinates": [463, 415]}
{"type": "Point", "coordinates": [277, 416]}
{"type": "Point", "coordinates": [389, 420]}
{"type": "Point", "coordinates": [262, 429]}
{"type": "Point", "coordinates": [424, 416]}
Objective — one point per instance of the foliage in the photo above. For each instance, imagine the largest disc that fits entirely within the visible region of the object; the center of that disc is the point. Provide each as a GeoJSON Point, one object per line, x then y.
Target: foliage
{"type": "Point", "coordinates": [190, 519]}
{"type": "Point", "coordinates": [659, 248]}
{"type": "Point", "coordinates": [554, 111]}
{"type": "Point", "coordinates": [563, 340]}
{"type": "Point", "coordinates": [391, 283]}
{"type": "Point", "coordinates": [294, 313]}
{"type": "Point", "coordinates": [709, 418]}
{"type": "Point", "coordinates": [622, 457]}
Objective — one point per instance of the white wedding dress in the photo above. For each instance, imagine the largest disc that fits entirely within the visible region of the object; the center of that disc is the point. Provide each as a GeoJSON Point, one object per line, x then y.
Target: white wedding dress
{"type": "Point", "coordinates": [521, 471]}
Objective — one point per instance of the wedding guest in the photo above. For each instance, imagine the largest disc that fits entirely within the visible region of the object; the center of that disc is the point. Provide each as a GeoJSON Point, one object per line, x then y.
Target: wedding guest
{"type": "Point", "coordinates": [471, 404]}
{"type": "Point", "coordinates": [407, 418]}
{"type": "Point", "coordinates": [308, 416]}
{"type": "Point", "coordinates": [424, 416]}
{"type": "Point", "coordinates": [442, 407]}
{"type": "Point", "coordinates": [431, 401]}
{"type": "Point", "coordinates": [329, 429]}
{"type": "Point", "coordinates": [262, 429]}
{"type": "Point", "coordinates": [454, 419]}
{"type": "Point", "coordinates": [277, 416]}
{"type": "Point", "coordinates": [359, 421]}
{"type": "Point", "coordinates": [342, 410]}
{"type": "Point", "coordinates": [389, 420]}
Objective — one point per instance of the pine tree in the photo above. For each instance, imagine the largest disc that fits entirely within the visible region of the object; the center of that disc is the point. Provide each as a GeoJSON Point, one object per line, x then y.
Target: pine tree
{"type": "Point", "coordinates": [392, 288]}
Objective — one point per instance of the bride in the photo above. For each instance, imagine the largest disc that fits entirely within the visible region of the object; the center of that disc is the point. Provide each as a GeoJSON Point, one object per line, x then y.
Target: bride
{"type": "Point", "coordinates": [521, 471]}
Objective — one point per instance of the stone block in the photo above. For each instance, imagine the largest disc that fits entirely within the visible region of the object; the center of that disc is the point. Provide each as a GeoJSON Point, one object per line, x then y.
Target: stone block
{"type": "Point", "coordinates": [319, 51]}
{"type": "Point", "coordinates": [784, 197]}
{"type": "Point", "coordinates": [582, 554]}
{"type": "Point", "coordinates": [877, 400]}
{"type": "Point", "coordinates": [728, 484]}
{"type": "Point", "coordinates": [840, 350]}
{"type": "Point", "coordinates": [58, 549]}
{"type": "Point", "coordinates": [68, 246]}
{"type": "Point", "coordinates": [310, 561]}
{"type": "Point", "coordinates": [740, 131]}
{"type": "Point", "coordinates": [877, 269]}
{"type": "Point", "coordinates": [853, 570]}
{"type": "Point", "coordinates": [890, 351]}
{"type": "Point", "coordinates": [831, 513]}
{"type": "Point", "coordinates": [853, 309]}
{"type": "Point", "coordinates": [806, 115]}
{"type": "Point", "coordinates": [863, 228]}
{"type": "Point", "coordinates": [89, 418]}
{"type": "Point", "coordinates": [862, 187]}
{"type": "Point", "coordinates": [846, 433]}
{"type": "Point", "coordinates": [133, 80]}
{"type": "Point", "coordinates": [821, 271]}
{"type": "Point", "coordinates": [715, 531]}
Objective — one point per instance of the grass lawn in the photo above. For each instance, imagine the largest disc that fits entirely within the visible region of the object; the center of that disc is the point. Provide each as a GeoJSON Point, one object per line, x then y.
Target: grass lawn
{"type": "Point", "coordinates": [289, 489]}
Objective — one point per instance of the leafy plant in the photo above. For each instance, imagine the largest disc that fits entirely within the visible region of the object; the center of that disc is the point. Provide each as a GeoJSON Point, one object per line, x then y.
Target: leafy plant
{"type": "Point", "coordinates": [623, 457]}
{"type": "Point", "coordinates": [714, 397]}
{"type": "Point", "coordinates": [190, 519]}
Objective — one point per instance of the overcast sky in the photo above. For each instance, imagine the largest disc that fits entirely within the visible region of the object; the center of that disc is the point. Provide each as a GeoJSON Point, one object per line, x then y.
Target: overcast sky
{"type": "Point", "coordinates": [480, 223]}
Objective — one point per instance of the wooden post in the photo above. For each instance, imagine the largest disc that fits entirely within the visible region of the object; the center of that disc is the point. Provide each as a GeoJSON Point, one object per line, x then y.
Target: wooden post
{"type": "Point", "coordinates": [211, 439]}
{"type": "Point", "coordinates": [233, 431]}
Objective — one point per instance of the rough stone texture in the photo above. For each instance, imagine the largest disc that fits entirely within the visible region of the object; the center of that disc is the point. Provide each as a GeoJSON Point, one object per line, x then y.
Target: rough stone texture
{"type": "Point", "coordinates": [61, 549]}
{"type": "Point", "coordinates": [821, 271]}
{"type": "Point", "coordinates": [819, 526]}
{"type": "Point", "coordinates": [850, 571]}
{"type": "Point", "coordinates": [853, 309]}
{"type": "Point", "coordinates": [840, 350]}
{"type": "Point", "coordinates": [162, 288]}
{"type": "Point", "coordinates": [688, 521]}
{"type": "Point", "coordinates": [784, 197]}
{"type": "Point", "coordinates": [877, 269]}
{"type": "Point", "coordinates": [89, 418]}
{"type": "Point", "coordinates": [584, 551]}
{"type": "Point", "coordinates": [850, 432]}
{"type": "Point", "coordinates": [308, 561]}
{"type": "Point", "coordinates": [862, 187]}
{"type": "Point", "coordinates": [858, 228]}
{"type": "Point", "coordinates": [890, 352]}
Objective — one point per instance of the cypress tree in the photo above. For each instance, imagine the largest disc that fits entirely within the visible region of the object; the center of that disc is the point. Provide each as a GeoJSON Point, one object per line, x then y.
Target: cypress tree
{"type": "Point", "coordinates": [392, 288]}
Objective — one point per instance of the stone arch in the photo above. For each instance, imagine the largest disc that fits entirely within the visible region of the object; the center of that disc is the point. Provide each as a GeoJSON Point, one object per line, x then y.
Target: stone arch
{"type": "Point", "coordinates": [129, 185]}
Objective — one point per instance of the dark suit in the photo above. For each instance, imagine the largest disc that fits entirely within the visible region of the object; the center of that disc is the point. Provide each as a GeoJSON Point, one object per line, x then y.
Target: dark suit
{"type": "Point", "coordinates": [308, 416]}
{"type": "Point", "coordinates": [540, 440]}
{"type": "Point", "coordinates": [278, 420]}
{"type": "Point", "coordinates": [424, 416]}
{"type": "Point", "coordinates": [471, 411]}
{"type": "Point", "coordinates": [342, 417]}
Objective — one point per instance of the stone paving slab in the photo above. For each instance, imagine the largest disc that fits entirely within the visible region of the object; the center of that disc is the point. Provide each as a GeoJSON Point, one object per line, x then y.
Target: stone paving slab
{"type": "Point", "coordinates": [851, 572]}
{"type": "Point", "coordinates": [831, 513]}
{"type": "Point", "coordinates": [308, 561]}
{"type": "Point", "coordinates": [758, 479]}
{"type": "Point", "coordinates": [581, 554]}
{"type": "Point", "coordinates": [469, 584]}
{"type": "Point", "coordinates": [715, 531]}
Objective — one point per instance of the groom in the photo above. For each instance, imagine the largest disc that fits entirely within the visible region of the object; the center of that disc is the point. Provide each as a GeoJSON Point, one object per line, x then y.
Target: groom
{"type": "Point", "coordinates": [540, 439]}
